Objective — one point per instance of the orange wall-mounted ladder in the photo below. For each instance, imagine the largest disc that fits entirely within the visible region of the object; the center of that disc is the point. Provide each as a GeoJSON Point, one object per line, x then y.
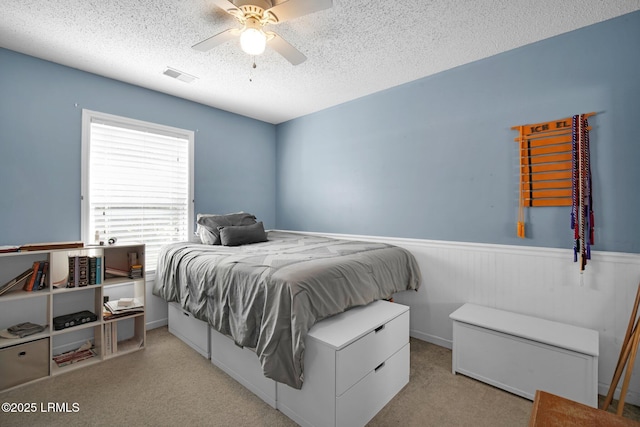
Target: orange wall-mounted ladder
{"type": "Point", "coordinates": [546, 165]}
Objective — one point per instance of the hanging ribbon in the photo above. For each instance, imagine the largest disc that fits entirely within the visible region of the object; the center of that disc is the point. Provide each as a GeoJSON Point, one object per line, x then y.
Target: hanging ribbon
{"type": "Point", "coordinates": [582, 209]}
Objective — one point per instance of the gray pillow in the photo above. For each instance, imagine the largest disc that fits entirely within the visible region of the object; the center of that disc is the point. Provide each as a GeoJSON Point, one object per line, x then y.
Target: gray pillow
{"type": "Point", "coordinates": [234, 235]}
{"type": "Point", "coordinates": [208, 225]}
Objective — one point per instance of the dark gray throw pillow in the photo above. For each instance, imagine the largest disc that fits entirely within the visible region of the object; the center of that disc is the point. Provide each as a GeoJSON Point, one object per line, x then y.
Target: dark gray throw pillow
{"type": "Point", "coordinates": [208, 225]}
{"type": "Point", "coordinates": [235, 235]}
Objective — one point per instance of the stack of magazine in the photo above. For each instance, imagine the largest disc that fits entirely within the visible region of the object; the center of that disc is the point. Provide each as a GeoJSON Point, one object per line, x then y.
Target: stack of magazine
{"type": "Point", "coordinates": [122, 307]}
{"type": "Point", "coordinates": [135, 271]}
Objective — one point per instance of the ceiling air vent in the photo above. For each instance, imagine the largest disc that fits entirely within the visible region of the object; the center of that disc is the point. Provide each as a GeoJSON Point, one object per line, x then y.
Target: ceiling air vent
{"type": "Point", "coordinates": [176, 74]}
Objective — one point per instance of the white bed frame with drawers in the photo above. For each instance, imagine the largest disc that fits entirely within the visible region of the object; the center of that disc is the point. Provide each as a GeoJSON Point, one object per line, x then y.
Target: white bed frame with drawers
{"type": "Point", "coordinates": [355, 363]}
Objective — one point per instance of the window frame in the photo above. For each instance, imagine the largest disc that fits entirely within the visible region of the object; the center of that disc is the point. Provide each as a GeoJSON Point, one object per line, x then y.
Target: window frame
{"type": "Point", "coordinates": [88, 117]}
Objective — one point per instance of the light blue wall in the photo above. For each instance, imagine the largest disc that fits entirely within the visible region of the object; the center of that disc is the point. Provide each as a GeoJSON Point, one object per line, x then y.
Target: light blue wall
{"type": "Point", "coordinates": [435, 158]}
{"type": "Point", "coordinates": [432, 159]}
{"type": "Point", "coordinates": [40, 146]}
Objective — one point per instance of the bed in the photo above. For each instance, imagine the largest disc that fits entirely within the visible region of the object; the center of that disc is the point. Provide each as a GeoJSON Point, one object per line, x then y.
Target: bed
{"type": "Point", "coordinates": [267, 295]}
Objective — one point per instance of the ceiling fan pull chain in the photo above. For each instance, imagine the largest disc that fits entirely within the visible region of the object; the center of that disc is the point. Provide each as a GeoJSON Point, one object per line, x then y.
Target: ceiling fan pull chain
{"type": "Point", "coordinates": [253, 67]}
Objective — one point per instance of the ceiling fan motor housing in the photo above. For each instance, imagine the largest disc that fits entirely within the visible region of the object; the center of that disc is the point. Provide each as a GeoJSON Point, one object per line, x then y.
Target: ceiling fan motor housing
{"type": "Point", "coordinates": [255, 6]}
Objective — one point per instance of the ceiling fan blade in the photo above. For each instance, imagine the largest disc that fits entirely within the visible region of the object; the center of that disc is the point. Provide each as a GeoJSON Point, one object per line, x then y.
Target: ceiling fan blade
{"type": "Point", "coordinates": [285, 49]}
{"type": "Point", "coordinates": [295, 8]}
{"type": "Point", "coordinates": [227, 6]}
{"type": "Point", "coordinates": [216, 40]}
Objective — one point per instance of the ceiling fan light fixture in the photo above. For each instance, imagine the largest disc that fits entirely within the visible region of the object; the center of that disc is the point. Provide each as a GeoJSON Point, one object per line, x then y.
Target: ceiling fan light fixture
{"type": "Point", "coordinates": [255, 15]}
{"type": "Point", "coordinates": [253, 40]}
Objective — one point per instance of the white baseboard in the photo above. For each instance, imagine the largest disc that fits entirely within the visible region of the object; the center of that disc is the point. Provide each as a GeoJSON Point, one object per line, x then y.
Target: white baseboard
{"type": "Point", "coordinates": [431, 339]}
{"type": "Point", "coordinates": [157, 323]}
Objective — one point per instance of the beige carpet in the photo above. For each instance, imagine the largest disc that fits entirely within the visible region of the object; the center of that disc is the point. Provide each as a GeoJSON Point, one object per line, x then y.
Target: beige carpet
{"type": "Point", "coordinates": [169, 384]}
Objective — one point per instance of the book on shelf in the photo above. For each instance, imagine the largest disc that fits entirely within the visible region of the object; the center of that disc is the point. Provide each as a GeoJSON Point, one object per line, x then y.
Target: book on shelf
{"type": "Point", "coordinates": [115, 272]}
{"type": "Point", "coordinates": [135, 271]}
{"type": "Point", "coordinates": [16, 281]}
{"type": "Point", "coordinates": [107, 339]}
{"type": "Point", "coordinates": [92, 270]}
{"type": "Point", "coordinates": [122, 314]}
{"type": "Point", "coordinates": [115, 309]}
{"type": "Point", "coordinates": [28, 284]}
{"type": "Point", "coordinates": [84, 270]}
{"type": "Point", "coordinates": [43, 278]}
{"type": "Point", "coordinates": [72, 281]}
{"type": "Point", "coordinates": [33, 284]}
{"type": "Point", "coordinates": [98, 270]}
{"type": "Point", "coordinates": [74, 356]}
{"type": "Point", "coordinates": [114, 337]}
{"type": "Point", "coordinates": [39, 276]}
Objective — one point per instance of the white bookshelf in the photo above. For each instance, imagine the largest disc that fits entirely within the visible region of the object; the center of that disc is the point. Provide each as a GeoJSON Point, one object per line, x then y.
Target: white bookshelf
{"type": "Point", "coordinates": [18, 356]}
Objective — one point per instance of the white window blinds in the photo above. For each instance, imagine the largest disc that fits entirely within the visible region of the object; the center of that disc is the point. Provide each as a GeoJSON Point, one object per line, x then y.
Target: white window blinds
{"type": "Point", "coordinates": [138, 183]}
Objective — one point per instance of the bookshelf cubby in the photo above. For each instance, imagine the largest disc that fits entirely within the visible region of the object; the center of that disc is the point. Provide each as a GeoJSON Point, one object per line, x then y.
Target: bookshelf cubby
{"type": "Point", "coordinates": [61, 295]}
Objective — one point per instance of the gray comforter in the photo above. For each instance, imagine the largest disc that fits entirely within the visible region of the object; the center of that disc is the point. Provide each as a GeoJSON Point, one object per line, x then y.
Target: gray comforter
{"type": "Point", "coordinates": [266, 296]}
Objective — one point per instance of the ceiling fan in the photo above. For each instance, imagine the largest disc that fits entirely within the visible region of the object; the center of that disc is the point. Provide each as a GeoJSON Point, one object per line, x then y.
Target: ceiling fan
{"type": "Point", "coordinates": [254, 15]}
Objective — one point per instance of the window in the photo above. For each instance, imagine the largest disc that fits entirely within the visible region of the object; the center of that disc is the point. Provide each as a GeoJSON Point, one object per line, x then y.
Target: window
{"type": "Point", "coordinates": [137, 182]}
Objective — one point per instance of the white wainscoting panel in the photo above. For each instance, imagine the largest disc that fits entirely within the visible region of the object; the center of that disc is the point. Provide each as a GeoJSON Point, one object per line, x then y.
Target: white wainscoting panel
{"type": "Point", "coordinates": [541, 282]}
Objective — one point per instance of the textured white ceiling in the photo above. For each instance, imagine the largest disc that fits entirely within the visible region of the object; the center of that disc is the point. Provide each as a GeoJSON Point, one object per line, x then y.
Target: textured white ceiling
{"type": "Point", "coordinates": [356, 48]}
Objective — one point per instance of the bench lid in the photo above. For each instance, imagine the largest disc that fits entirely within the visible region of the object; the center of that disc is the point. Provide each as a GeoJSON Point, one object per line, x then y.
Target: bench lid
{"type": "Point", "coordinates": [562, 335]}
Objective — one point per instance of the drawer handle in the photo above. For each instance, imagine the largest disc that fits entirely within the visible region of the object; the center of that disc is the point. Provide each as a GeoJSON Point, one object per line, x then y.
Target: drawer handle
{"type": "Point", "coordinates": [185, 313]}
{"type": "Point", "coordinates": [22, 354]}
{"type": "Point", "coordinates": [379, 328]}
{"type": "Point", "coordinates": [380, 366]}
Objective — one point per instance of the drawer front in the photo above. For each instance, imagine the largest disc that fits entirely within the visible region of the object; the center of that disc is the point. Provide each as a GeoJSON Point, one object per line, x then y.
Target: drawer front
{"type": "Point", "coordinates": [364, 400]}
{"type": "Point", "coordinates": [24, 362]}
{"type": "Point", "coordinates": [192, 331]}
{"type": "Point", "coordinates": [360, 357]}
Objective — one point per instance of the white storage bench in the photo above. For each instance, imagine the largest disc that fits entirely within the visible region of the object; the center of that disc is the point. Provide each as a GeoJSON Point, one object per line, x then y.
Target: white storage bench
{"type": "Point", "coordinates": [522, 354]}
